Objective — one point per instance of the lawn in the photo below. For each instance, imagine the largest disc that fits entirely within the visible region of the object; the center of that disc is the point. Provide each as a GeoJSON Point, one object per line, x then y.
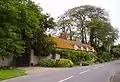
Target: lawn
{"type": "Point", "coordinates": [11, 73]}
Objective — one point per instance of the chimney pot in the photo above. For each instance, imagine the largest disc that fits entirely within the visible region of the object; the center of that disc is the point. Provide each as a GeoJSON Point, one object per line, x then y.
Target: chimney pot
{"type": "Point", "coordinates": [62, 35]}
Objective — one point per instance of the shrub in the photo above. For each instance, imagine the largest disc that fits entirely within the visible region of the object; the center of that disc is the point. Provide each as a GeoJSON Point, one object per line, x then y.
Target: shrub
{"type": "Point", "coordinates": [56, 63]}
{"type": "Point", "coordinates": [90, 58]}
{"type": "Point", "coordinates": [77, 56]}
{"type": "Point", "coordinates": [104, 56]}
{"type": "Point", "coordinates": [64, 63]}
{"type": "Point", "coordinates": [47, 63]}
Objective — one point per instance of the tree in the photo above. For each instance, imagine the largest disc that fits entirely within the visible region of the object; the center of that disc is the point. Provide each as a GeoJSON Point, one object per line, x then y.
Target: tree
{"type": "Point", "coordinates": [91, 24]}
{"type": "Point", "coordinates": [101, 34]}
{"type": "Point", "coordinates": [42, 44]}
{"type": "Point", "coordinates": [21, 22]}
{"type": "Point", "coordinates": [66, 26]}
{"type": "Point", "coordinates": [47, 22]}
{"type": "Point", "coordinates": [10, 40]}
{"type": "Point", "coordinates": [78, 17]}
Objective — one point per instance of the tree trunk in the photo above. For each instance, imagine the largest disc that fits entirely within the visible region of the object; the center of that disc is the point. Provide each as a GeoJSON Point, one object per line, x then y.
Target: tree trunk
{"type": "Point", "coordinates": [92, 37]}
{"type": "Point", "coordinates": [71, 34]}
{"type": "Point", "coordinates": [85, 36]}
{"type": "Point", "coordinates": [82, 35]}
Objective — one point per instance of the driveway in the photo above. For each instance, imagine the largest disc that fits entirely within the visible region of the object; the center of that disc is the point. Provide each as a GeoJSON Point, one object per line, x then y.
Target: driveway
{"type": "Point", "coordinates": [94, 73]}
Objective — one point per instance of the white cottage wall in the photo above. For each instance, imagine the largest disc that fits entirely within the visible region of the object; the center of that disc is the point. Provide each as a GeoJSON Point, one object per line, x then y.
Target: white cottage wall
{"type": "Point", "coordinates": [57, 56]}
{"type": "Point", "coordinates": [33, 59]}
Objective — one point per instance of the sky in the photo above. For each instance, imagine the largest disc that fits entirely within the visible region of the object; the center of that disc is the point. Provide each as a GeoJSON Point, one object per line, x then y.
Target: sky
{"type": "Point", "coordinates": [57, 7]}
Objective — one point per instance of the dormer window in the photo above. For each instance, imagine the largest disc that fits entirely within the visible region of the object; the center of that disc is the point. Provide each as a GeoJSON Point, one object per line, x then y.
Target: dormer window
{"type": "Point", "coordinates": [82, 48]}
{"type": "Point", "coordinates": [76, 47]}
{"type": "Point", "coordinates": [87, 49]}
{"type": "Point", "coordinates": [93, 50]}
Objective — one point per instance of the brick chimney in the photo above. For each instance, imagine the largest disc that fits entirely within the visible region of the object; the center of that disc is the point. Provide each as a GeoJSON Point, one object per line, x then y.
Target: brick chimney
{"type": "Point", "coordinates": [63, 35]}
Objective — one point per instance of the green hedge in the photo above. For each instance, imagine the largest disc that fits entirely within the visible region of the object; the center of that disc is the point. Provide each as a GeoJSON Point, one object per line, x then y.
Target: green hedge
{"type": "Point", "coordinates": [76, 56]}
{"type": "Point", "coordinates": [69, 58]}
{"type": "Point", "coordinates": [56, 63]}
{"type": "Point", "coordinates": [47, 63]}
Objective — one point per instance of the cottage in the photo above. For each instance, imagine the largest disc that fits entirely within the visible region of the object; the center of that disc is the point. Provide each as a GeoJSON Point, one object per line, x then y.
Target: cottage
{"type": "Point", "coordinates": [61, 42]}
{"type": "Point", "coordinates": [73, 45]}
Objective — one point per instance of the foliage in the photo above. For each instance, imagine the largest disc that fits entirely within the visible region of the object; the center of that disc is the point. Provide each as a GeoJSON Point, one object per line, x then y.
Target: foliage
{"type": "Point", "coordinates": [47, 63]}
{"type": "Point", "coordinates": [7, 74]}
{"type": "Point", "coordinates": [115, 51]}
{"type": "Point", "coordinates": [102, 34]}
{"type": "Point", "coordinates": [22, 27]}
{"type": "Point", "coordinates": [55, 63]}
{"type": "Point", "coordinates": [76, 56]}
{"type": "Point", "coordinates": [66, 26]}
{"type": "Point", "coordinates": [64, 63]}
{"type": "Point", "coordinates": [90, 58]}
{"type": "Point", "coordinates": [104, 56]}
{"type": "Point", "coordinates": [47, 22]}
{"type": "Point", "coordinates": [42, 44]}
{"type": "Point", "coordinates": [90, 24]}
{"type": "Point", "coordinates": [10, 40]}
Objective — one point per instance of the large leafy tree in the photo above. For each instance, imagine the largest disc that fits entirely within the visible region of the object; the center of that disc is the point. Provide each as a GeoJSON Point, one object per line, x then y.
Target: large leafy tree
{"type": "Point", "coordinates": [21, 21]}
{"type": "Point", "coordinates": [10, 39]}
{"type": "Point", "coordinates": [91, 24]}
{"type": "Point", "coordinates": [66, 26]}
{"type": "Point", "coordinates": [101, 34]}
{"type": "Point", "coordinates": [78, 16]}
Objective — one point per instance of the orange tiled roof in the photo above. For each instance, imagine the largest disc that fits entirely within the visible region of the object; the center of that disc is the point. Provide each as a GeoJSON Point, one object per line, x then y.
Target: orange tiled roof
{"type": "Point", "coordinates": [67, 44]}
{"type": "Point", "coordinates": [62, 43]}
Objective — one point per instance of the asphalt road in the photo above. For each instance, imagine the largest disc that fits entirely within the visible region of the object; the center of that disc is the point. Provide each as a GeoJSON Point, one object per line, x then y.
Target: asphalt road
{"type": "Point", "coordinates": [94, 73]}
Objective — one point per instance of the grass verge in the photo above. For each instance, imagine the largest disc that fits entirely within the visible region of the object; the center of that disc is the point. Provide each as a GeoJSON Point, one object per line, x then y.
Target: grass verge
{"type": "Point", "coordinates": [11, 73]}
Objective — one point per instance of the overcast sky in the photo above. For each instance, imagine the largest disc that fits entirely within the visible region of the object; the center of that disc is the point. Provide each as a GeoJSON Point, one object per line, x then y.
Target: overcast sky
{"type": "Point", "coordinates": [57, 7]}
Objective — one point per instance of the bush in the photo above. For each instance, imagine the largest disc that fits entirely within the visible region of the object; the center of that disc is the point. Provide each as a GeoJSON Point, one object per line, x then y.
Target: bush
{"type": "Point", "coordinates": [64, 63]}
{"type": "Point", "coordinates": [47, 63]}
{"type": "Point", "coordinates": [56, 63]}
{"type": "Point", "coordinates": [105, 56]}
{"type": "Point", "coordinates": [90, 58]}
{"type": "Point", "coordinates": [76, 56]}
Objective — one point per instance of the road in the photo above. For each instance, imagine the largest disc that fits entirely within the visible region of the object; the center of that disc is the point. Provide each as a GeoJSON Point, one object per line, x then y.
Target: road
{"type": "Point", "coordinates": [94, 73]}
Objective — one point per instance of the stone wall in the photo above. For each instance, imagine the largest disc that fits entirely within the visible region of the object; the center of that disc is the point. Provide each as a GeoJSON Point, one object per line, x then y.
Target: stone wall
{"type": "Point", "coordinates": [5, 62]}
{"type": "Point", "coordinates": [35, 59]}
